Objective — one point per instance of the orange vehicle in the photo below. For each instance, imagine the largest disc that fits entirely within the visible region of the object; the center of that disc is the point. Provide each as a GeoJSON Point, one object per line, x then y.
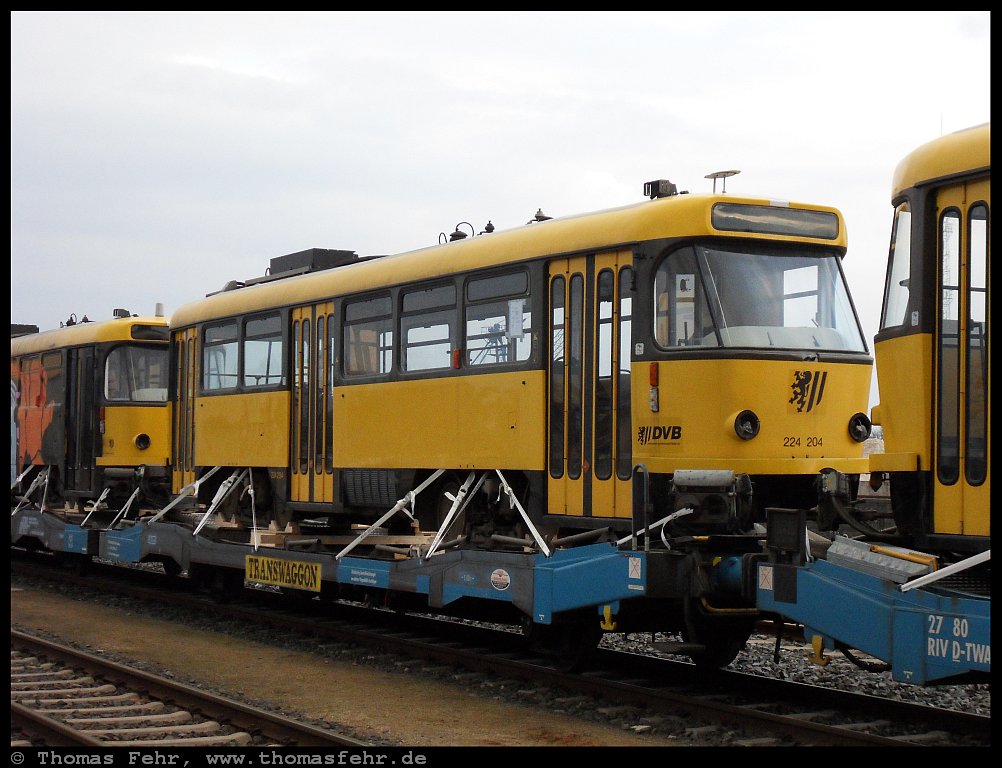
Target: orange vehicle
{"type": "Point", "coordinates": [89, 418]}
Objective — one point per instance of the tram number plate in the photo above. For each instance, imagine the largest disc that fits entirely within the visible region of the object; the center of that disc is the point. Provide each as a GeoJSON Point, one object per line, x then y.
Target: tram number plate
{"type": "Point", "coordinates": [811, 441]}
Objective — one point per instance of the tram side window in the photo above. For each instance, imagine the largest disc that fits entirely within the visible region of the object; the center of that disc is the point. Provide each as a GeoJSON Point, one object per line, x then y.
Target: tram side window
{"type": "Point", "coordinates": [32, 391]}
{"type": "Point", "coordinates": [263, 350]}
{"type": "Point", "coordinates": [948, 406]}
{"type": "Point", "coordinates": [427, 328]}
{"type": "Point", "coordinates": [605, 360]}
{"type": "Point", "coordinates": [976, 411]}
{"type": "Point", "coordinates": [624, 432]}
{"type": "Point", "coordinates": [557, 341]}
{"type": "Point", "coordinates": [219, 356]}
{"type": "Point", "coordinates": [368, 336]}
{"type": "Point", "coordinates": [899, 272]}
{"type": "Point", "coordinates": [52, 378]}
{"type": "Point", "coordinates": [498, 319]}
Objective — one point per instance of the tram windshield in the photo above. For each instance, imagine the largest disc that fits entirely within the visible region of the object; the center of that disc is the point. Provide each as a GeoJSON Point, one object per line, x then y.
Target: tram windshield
{"type": "Point", "coordinates": [136, 373]}
{"type": "Point", "coordinates": [710, 296]}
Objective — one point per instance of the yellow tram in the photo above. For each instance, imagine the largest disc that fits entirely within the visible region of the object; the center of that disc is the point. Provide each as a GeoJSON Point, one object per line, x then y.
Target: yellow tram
{"type": "Point", "coordinates": [932, 349]}
{"type": "Point", "coordinates": [89, 415]}
{"type": "Point", "coordinates": [688, 355]}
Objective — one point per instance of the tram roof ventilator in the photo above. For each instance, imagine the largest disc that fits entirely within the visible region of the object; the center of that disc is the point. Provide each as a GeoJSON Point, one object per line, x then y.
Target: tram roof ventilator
{"type": "Point", "coordinates": [298, 263]}
{"type": "Point", "coordinates": [659, 188]}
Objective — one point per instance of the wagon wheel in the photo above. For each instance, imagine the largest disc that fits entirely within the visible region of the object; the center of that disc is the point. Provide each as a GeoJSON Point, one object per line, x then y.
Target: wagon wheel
{"type": "Point", "coordinates": [569, 643]}
{"type": "Point", "coordinates": [721, 636]}
{"type": "Point", "coordinates": [225, 584]}
{"type": "Point", "coordinates": [576, 644]}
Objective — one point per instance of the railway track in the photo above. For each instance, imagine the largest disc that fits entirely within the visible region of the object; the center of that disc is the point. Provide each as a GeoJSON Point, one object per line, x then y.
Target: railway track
{"type": "Point", "coordinates": [708, 706]}
{"type": "Point", "coordinates": [61, 696]}
{"type": "Point", "coordinates": [736, 708]}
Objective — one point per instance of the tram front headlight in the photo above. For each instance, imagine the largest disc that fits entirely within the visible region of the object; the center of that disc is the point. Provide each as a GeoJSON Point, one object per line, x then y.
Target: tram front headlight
{"type": "Point", "coordinates": [747, 425]}
{"type": "Point", "coordinates": [859, 427]}
{"type": "Point", "coordinates": [143, 441]}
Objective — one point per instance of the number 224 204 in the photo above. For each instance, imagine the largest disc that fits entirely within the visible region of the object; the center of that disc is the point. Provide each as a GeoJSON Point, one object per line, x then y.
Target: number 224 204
{"type": "Point", "coordinates": [811, 441]}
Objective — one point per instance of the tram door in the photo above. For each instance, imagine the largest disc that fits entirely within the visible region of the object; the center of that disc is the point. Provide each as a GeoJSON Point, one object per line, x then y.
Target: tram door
{"type": "Point", "coordinates": [183, 415]}
{"type": "Point", "coordinates": [312, 436]}
{"type": "Point", "coordinates": [962, 437]}
{"type": "Point", "coordinates": [81, 419]}
{"type": "Point", "coordinates": [589, 427]}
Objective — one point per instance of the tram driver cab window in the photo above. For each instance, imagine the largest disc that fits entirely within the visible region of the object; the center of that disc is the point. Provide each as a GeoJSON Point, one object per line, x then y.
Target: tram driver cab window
{"type": "Point", "coordinates": [137, 374]}
{"type": "Point", "coordinates": [682, 316]}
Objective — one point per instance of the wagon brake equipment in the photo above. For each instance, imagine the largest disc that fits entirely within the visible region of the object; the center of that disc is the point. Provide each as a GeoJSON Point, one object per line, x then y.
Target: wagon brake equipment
{"type": "Point", "coordinates": [406, 505]}
{"type": "Point", "coordinates": [189, 490]}
{"type": "Point", "coordinates": [221, 493]}
{"type": "Point", "coordinates": [401, 506]}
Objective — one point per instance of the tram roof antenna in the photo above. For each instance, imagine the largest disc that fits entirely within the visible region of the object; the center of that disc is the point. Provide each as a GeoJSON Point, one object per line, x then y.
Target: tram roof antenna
{"type": "Point", "coordinates": [720, 175]}
{"type": "Point", "coordinates": [540, 216]}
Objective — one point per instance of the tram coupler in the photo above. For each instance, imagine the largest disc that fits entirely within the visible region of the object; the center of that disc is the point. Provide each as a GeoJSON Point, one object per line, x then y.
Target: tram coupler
{"type": "Point", "coordinates": [834, 490]}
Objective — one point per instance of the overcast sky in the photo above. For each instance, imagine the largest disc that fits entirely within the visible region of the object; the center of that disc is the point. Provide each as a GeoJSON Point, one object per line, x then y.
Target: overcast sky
{"type": "Point", "coordinates": [157, 155]}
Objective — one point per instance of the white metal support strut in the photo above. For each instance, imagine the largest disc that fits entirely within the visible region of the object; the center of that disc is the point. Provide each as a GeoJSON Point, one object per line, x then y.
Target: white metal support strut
{"type": "Point", "coordinates": [249, 490]}
{"type": "Point", "coordinates": [514, 501]}
{"type": "Point", "coordinates": [42, 478]}
{"type": "Point", "coordinates": [459, 502]}
{"type": "Point", "coordinates": [21, 477]}
{"type": "Point", "coordinates": [45, 491]}
{"type": "Point", "coordinates": [660, 523]}
{"type": "Point", "coordinates": [221, 493]}
{"type": "Point", "coordinates": [124, 511]}
{"type": "Point", "coordinates": [95, 505]}
{"type": "Point", "coordinates": [935, 576]}
{"type": "Point", "coordinates": [191, 489]}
